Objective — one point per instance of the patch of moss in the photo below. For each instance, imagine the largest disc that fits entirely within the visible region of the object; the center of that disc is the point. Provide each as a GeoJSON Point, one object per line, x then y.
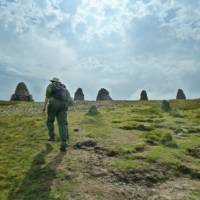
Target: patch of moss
{"type": "Point", "coordinates": [123, 164]}
{"type": "Point", "coordinates": [135, 126]}
{"type": "Point", "coordinates": [162, 155]}
{"type": "Point", "coordinates": [160, 137]}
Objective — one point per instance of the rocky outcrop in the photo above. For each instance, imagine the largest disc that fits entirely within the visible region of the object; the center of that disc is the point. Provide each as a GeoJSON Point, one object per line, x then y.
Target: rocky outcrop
{"type": "Point", "coordinates": [79, 96]}
{"type": "Point", "coordinates": [180, 94]}
{"type": "Point", "coordinates": [143, 96]}
{"type": "Point", "coordinates": [21, 93]}
{"type": "Point", "coordinates": [165, 106]}
{"type": "Point", "coordinates": [103, 95]}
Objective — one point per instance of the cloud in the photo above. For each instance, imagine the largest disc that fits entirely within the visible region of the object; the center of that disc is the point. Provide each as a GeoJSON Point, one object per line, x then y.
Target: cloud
{"type": "Point", "coordinates": [25, 15]}
{"type": "Point", "coordinates": [122, 45]}
{"type": "Point", "coordinates": [101, 18]}
{"type": "Point", "coordinates": [35, 54]}
{"type": "Point", "coordinates": [181, 17]}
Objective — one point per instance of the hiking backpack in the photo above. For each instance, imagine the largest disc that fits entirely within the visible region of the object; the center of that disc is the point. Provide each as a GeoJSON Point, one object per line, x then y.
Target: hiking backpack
{"type": "Point", "coordinates": [60, 92]}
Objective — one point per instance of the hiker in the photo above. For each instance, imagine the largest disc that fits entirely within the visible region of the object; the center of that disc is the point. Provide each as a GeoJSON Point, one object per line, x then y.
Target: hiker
{"type": "Point", "coordinates": [58, 99]}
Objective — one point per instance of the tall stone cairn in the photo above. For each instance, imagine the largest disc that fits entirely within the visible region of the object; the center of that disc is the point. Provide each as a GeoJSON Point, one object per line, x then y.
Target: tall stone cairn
{"type": "Point", "coordinates": [103, 95]}
{"type": "Point", "coordinates": [79, 96]}
{"type": "Point", "coordinates": [180, 95]}
{"type": "Point", "coordinates": [21, 93]}
{"type": "Point", "coordinates": [143, 96]}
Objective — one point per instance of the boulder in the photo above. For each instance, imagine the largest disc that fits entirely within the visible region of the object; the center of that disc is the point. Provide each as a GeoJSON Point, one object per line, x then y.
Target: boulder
{"type": "Point", "coordinates": [103, 95]}
{"type": "Point", "coordinates": [21, 93]}
{"type": "Point", "coordinates": [79, 96]}
{"type": "Point", "coordinates": [180, 94]}
{"type": "Point", "coordinates": [165, 106]}
{"type": "Point", "coordinates": [143, 96]}
{"type": "Point", "coordinates": [93, 110]}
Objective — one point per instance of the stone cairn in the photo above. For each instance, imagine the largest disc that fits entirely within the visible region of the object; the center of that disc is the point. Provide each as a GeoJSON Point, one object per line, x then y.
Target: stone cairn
{"type": "Point", "coordinates": [180, 95]}
{"type": "Point", "coordinates": [143, 96]}
{"type": "Point", "coordinates": [93, 110]}
{"type": "Point", "coordinates": [165, 106]}
{"type": "Point", "coordinates": [79, 96]}
{"type": "Point", "coordinates": [103, 95]}
{"type": "Point", "coordinates": [21, 93]}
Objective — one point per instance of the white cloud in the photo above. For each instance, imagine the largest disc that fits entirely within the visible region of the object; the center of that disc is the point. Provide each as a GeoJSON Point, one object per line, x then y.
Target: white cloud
{"type": "Point", "coordinates": [38, 55]}
{"type": "Point", "coordinates": [24, 15]}
{"type": "Point", "coordinates": [100, 18]}
{"type": "Point", "coordinates": [186, 24]}
{"type": "Point", "coordinates": [185, 20]}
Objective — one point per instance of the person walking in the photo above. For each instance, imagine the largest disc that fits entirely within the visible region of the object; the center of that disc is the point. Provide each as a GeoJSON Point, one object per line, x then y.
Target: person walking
{"type": "Point", "coordinates": [56, 103]}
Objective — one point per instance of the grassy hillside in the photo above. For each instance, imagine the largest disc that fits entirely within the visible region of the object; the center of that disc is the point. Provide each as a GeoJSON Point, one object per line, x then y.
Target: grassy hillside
{"type": "Point", "coordinates": [131, 150]}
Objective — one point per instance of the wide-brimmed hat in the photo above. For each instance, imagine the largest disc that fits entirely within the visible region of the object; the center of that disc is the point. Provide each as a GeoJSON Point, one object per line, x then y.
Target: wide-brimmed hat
{"type": "Point", "coordinates": [55, 80]}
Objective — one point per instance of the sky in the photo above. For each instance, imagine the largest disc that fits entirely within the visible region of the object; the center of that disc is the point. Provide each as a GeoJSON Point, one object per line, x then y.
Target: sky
{"type": "Point", "coordinates": [124, 46]}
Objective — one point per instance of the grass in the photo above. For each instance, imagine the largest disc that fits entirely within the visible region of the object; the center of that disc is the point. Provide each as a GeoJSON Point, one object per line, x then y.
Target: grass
{"type": "Point", "coordinates": [129, 164]}
{"type": "Point", "coordinates": [140, 133]}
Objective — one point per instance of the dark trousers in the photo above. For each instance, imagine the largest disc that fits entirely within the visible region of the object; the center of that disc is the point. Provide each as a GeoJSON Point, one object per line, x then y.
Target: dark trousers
{"type": "Point", "coordinates": [58, 110]}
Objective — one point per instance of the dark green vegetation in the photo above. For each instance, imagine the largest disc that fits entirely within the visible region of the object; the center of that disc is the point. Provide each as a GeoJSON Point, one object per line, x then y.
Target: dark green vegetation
{"type": "Point", "coordinates": [133, 150]}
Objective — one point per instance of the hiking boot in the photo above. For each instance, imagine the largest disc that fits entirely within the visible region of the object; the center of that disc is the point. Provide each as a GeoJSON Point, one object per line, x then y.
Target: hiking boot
{"type": "Point", "coordinates": [63, 148]}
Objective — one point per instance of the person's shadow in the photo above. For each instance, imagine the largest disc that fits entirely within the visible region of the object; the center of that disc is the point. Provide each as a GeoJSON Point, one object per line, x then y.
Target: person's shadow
{"type": "Point", "coordinates": [38, 180]}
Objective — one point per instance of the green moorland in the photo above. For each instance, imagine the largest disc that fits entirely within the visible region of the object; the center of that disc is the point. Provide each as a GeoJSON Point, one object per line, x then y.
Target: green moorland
{"type": "Point", "coordinates": [130, 150]}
